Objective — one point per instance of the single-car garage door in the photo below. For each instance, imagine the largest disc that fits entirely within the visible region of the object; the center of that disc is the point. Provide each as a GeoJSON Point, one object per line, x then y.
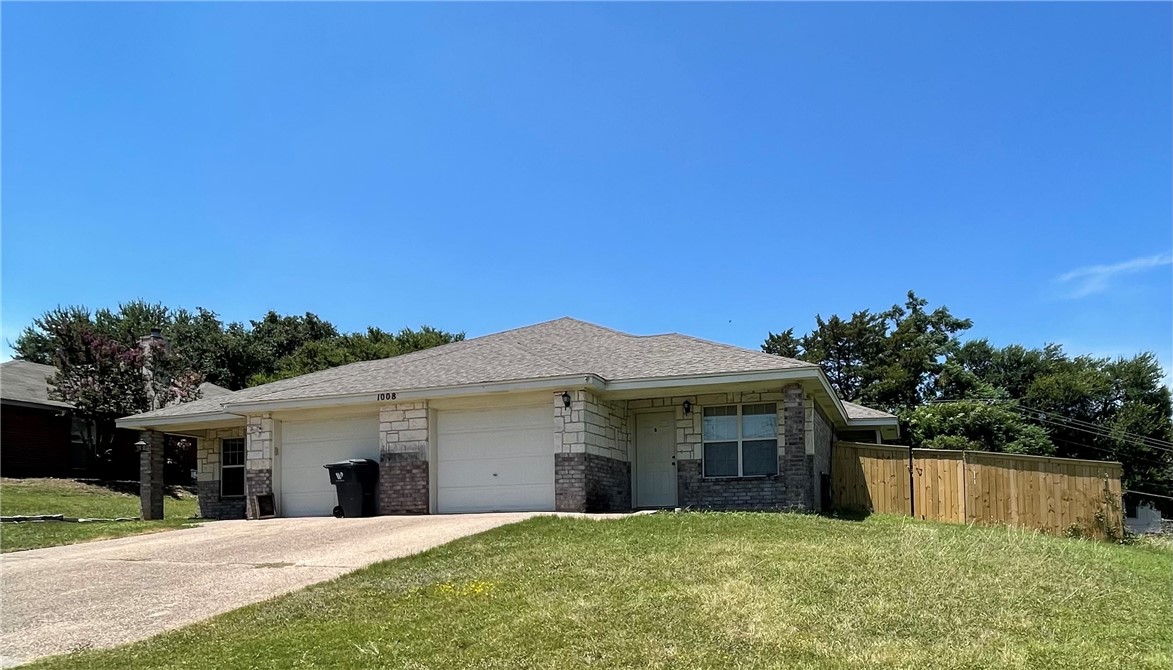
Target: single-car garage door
{"type": "Point", "coordinates": [498, 460]}
{"type": "Point", "coordinates": [308, 445]}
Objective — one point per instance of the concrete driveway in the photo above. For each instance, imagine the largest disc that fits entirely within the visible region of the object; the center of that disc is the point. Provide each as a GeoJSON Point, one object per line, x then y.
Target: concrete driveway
{"type": "Point", "coordinates": [102, 594]}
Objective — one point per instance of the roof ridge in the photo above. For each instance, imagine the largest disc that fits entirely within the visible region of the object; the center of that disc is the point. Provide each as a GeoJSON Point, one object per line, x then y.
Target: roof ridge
{"type": "Point", "coordinates": [737, 348]}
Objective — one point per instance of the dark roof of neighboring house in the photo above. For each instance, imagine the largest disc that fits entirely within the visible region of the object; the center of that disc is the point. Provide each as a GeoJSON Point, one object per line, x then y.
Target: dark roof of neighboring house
{"type": "Point", "coordinates": [25, 382]}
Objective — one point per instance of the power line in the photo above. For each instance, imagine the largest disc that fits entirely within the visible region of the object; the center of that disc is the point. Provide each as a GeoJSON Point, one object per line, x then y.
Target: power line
{"type": "Point", "coordinates": [1113, 454]}
{"type": "Point", "coordinates": [1079, 422]}
{"type": "Point", "coordinates": [1146, 493]}
{"type": "Point", "coordinates": [1102, 433]}
{"type": "Point", "coordinates": [1068, 423]}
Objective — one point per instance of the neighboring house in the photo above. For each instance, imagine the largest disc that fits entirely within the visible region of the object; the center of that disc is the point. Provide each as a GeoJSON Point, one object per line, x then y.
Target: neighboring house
{"type": "Point", "coordinates": [562, 415]}
{"type": "Point", "coordinates": [40, 437]}
{"type": "Point", "coordinates": [1141, 516]}
{"type": "Point", "coordinates": [37, 436]}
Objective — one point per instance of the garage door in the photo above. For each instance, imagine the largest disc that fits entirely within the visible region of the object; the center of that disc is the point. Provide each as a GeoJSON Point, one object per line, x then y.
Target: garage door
{"type": "Point", "coordinates": [499, 460]}
{"type": "Point", "coordinates": [306, 446]}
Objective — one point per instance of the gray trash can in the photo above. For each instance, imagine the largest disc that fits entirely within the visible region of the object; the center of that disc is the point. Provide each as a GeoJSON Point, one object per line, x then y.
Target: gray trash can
{"type": "Point", "coordinates": [355, 481]}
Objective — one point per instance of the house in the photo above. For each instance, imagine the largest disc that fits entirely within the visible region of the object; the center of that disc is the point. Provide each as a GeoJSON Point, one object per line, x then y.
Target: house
{"type": "Point", "coordinates": [37, 435]}
{"type": "Point", "coordinates": [40, 437]}
{"type": "Point", "coordinates": [563, 415]}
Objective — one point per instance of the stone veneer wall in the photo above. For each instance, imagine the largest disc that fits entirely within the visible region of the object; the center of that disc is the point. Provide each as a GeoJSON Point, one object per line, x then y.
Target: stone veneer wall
{"type": "Point", "coordinates": [260, 437]}
{"type": "Point", "coordinates": [403, 458]}
{"type": "Point", "coordinates": [592, 459]}
{"type": "Point", "coordinates": [789, 489]}
{"type": "Point", "coordinates": [212, 505]}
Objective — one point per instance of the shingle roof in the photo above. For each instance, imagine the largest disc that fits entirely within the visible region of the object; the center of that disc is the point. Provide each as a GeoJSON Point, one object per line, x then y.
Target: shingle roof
{"type": "Point", "coordinates": [210, 390]}
{"type": "Point", "coordinates": [855, 411]}
{"type": "Point", "coordinates": [552, 349]}
{"type": "Point", "coordinates": [22, 381]}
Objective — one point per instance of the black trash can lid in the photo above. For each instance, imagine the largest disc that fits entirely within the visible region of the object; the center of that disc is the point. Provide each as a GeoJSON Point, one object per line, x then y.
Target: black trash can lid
{"type": "Point", "coordinates": [351, 463]}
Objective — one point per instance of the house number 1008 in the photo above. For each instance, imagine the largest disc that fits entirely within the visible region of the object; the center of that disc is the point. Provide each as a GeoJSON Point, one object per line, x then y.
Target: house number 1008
{"type": "Point", "coordinates": [386, 396]}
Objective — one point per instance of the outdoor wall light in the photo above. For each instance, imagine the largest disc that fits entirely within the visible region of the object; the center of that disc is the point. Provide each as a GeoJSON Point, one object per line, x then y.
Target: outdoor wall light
{"type": "Point", "coordinates": [565, 399]}
{"type": "Point", "coordinates": [687, 407]}
{"type": "Point", "coordinates": [141, 446]}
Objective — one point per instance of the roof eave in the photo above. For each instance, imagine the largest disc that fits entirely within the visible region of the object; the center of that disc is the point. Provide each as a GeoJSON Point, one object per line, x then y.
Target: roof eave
{"type": "Point", "coordinates": [38, 404]}
{"type": "Point", "coordinates": [575, 381]}
{"type": "Point", "coordinates": [146, 422]}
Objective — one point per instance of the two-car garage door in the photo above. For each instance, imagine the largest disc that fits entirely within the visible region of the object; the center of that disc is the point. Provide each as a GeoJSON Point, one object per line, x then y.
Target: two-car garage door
{"type": "Point", "coordinates": [495, 460]}
{"type": "Point", "coordinates": [490, 460]}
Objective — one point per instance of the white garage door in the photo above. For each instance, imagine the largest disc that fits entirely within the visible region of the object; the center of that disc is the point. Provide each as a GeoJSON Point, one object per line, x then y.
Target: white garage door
{"type": "Point", "coordinates": [308, 445]}
{"type": "Point", "coordinates": [499, 460]}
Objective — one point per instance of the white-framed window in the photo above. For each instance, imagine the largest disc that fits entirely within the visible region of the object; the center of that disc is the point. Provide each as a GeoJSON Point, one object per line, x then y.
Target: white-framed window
{"type": "Point", "coordinates": [741, 440]}
{"type": "Point", "coordinates": [232, 467]}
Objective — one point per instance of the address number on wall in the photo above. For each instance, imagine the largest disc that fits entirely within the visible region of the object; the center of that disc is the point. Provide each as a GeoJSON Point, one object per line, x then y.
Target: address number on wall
{"type": "Point", "coordinates": [386, 396]}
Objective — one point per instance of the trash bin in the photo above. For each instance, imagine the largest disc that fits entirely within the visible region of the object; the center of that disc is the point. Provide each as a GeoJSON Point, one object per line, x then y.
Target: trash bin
{"type": "Point", "coordinates": [354, 480]}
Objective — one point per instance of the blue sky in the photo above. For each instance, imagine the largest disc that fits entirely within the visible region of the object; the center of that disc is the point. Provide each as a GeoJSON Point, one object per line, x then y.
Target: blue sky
{"type": "Point", "coordinates": [718, 170]}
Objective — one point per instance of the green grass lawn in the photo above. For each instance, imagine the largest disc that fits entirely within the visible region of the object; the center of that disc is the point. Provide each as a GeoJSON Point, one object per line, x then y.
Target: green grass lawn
{"type": "Point", "coordinates": [75, 499]}
{"type": "Point", "coordinates": [707, 591]}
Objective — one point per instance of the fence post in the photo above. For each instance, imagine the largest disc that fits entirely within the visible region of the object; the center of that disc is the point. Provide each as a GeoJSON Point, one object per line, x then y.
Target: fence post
{"type": "Point", "coordinates": [964, 487]}
{"type": "Point", "coordinates": [911, 484]}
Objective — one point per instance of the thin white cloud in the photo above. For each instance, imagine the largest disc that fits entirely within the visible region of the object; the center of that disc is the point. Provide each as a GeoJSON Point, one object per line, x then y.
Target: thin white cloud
{"type": "Point", "coordinates": [1093, 279]}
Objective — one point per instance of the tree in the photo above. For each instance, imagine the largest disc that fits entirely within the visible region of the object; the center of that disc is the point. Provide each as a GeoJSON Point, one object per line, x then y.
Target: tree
{"type": "Point", "coordinates": [1016, 398]}
{"type": "Point", "coordinates": [977, 426]}
{"type": "Point", "coordinates": [343, 349]}
{"type": "Point", "coordinates": [104, 378]}
{"type": "Point", "coordinates": [913, 356]}
{"type": "Point", "coordinates": [890, 360]}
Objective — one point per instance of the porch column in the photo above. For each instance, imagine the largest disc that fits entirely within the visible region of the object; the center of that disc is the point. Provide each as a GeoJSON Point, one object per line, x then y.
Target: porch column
{"type": "Point", "coordinates": [150, 474]}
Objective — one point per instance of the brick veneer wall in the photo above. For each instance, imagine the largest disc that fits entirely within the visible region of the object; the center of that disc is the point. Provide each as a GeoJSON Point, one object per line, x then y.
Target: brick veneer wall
{"type": "Point", "coordinates": [591, 483]}
{"type": "Point", "coordinates": [759, 493]}
{"type": "Point", "coordinates": [151, 475]}
{"type": "Point", "coordinates": [592, 445]}
{"type": "Point", "coordinates": [793, 465]}
{"type": "Point", "coordinates": [403, 459]}
{"type": "Point", "coordinates": [791, 488]}
{"type": "Point", "coordinates": [403, 483]}
{"type": "Point", "coordinates": [212, 505]}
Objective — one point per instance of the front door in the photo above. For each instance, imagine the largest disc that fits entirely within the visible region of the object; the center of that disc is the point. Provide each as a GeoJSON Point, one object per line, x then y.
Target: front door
{"type": "Point", "coordinates": [655, 459]}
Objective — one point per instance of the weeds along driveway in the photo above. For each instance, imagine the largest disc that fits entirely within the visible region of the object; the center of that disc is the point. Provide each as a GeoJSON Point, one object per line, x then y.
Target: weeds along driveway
{"type": "Point", "coordinates": [102, 594]}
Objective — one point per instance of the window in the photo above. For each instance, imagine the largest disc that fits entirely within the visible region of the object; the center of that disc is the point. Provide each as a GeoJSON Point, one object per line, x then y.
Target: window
{"type": "Point", "coordinates": [232, 467]}
{"type": "Point", "coordinates": [741, 440]}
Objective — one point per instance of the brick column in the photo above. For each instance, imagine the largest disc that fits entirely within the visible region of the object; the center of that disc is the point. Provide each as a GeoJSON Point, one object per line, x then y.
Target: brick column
{"type": "Point", "coordinates": [151, 475]}
{"type": "Point", "coordinates": [258, 464]}
{"type": "Point", "coordinates": [403, 459]}
{"type": "Point", "coordinates": [793, 464]}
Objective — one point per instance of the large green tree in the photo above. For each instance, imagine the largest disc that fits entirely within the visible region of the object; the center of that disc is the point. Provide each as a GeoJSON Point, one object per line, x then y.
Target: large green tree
{"type": "Point", "coordinates": [975, 395]}
{"type": "Point", "coordinates": [351, 348]}
{"type": "Point", "coordinates": [890, 359]}
{"type": "Point", "coordinates": [105, 375]}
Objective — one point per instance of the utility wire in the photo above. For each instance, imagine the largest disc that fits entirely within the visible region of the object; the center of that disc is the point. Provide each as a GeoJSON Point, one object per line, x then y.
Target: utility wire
{"type": "Point", "coordinates": [1067, 423]}
{"type": "Point", "coordinates": [1146, 493]}
{"type": "Point", "coordinates": [1103, 433]}
{"type": "Point", "coordinates": [1154, 441]}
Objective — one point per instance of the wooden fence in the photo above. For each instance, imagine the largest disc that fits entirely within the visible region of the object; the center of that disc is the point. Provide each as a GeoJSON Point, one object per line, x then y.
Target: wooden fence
{"type": "Point", "coordinates": [1055, 495]}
